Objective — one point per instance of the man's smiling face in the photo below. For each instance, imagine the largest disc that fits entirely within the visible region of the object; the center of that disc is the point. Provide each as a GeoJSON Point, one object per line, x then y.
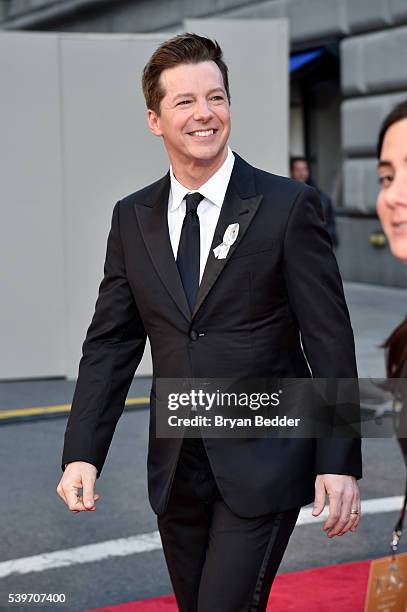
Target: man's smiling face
{"type": "Point", "coordinates": [194, 118]}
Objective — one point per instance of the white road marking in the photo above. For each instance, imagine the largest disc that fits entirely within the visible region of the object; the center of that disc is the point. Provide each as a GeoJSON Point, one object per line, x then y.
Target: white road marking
{"type": "Point", "coordinates": [145, 542]}
{"type": "Point", "coordinates": [82, 554]}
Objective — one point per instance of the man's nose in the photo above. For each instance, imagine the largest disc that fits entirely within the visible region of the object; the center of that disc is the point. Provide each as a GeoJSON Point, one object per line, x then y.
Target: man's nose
{"type": "Point", "coordinates": [202, 111]}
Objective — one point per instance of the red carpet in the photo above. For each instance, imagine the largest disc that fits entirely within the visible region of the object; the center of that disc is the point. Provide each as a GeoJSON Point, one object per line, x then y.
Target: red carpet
{"type": "Point", "coordinates": [335, 588]}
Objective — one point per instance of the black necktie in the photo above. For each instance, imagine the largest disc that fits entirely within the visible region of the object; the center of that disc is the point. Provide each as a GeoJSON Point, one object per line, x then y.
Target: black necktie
{"type": "Point", "coordinates": [188, 255]}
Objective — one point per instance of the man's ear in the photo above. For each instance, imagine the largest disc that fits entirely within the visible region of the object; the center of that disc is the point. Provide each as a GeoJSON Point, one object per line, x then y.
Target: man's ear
{"type": "Point", "coordinates": [153, 121]}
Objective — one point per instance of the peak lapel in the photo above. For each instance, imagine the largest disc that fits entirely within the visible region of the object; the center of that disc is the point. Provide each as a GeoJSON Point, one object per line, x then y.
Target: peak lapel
{"type": "Point", "coordinates": [153, 221]}
{"type": "Point", "coordinates": [240, 205]}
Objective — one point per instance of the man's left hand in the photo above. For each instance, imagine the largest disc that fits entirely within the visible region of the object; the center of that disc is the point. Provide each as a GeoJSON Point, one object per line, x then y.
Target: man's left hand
{"type": "Point", "coordinates": [344, 500]}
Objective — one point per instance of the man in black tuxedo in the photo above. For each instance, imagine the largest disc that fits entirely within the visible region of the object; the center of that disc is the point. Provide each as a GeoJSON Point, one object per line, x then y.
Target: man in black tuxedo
{"type": "Point", "coordinates": [271, 304]}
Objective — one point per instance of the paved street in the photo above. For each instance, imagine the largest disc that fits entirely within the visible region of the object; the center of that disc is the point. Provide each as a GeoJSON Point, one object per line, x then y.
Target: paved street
{"type": "Point", "coordinates": [35, 520]}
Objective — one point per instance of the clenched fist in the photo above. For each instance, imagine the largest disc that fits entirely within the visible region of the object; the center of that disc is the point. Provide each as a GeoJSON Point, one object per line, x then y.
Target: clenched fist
{"type": "Point", "coordinates": [79, 475]}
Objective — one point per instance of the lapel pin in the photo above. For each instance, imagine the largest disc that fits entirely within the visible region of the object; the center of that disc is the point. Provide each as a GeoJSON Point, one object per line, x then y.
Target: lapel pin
{"type": "Point", "coordinates": [229, 238]}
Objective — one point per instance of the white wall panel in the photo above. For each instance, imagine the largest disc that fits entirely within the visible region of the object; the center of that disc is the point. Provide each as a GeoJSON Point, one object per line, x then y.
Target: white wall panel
{"type": "Point", "coordinates": [31, 235]}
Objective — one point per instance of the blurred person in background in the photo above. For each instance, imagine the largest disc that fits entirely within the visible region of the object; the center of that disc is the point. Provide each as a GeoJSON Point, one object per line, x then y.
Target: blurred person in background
{"type": "Point", "coordinates": [299, 170]}
{"type": "Point", "coordinates": [392, 211]}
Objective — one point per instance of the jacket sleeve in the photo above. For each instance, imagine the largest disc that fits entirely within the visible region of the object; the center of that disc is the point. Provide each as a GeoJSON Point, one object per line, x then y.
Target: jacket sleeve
{"type": "Point", "coordinates": [111, 353]}
{"type": "Point", "coordinates": [317, 299]}
{"type": "Point", "coordinates": [330, 219]}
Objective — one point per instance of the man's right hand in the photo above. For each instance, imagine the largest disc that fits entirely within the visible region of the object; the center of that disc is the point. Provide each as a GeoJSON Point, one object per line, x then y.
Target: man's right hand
{"type": "Point", "coordinates": [79, 475]}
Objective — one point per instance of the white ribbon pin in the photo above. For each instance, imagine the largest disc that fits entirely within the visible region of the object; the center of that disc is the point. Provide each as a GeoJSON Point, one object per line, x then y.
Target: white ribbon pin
{"type": "Point", "coordinates": [229, 238]}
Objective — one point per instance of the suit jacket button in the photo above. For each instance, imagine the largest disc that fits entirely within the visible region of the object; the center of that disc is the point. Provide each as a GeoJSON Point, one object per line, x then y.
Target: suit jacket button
{"type": "Point", "coordinates": [193, 334]}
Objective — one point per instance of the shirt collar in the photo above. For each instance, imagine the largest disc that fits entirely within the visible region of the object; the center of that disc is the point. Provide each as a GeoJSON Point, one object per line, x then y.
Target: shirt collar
{"type": "Point", "coordinates": [213, 190]}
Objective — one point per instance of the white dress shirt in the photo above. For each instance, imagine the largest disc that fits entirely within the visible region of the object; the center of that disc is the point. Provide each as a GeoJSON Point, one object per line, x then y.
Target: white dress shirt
{"type": "Point", "coordinates": [208, 210]}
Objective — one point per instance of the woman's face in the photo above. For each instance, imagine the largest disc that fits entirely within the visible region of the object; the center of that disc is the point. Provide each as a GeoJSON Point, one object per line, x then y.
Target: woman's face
{"type": "Point", "coordinates": [392, 198]}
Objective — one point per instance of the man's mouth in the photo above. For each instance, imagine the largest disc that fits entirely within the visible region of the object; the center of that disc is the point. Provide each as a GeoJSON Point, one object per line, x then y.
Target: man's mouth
{"type": "Point", "coordinates": [203, 133]}
{"type": "Point", "coordinates": [400, 224]}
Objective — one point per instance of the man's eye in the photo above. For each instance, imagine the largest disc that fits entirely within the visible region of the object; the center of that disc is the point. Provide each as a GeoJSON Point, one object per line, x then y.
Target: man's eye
{"type": "Point", "coordinates": [217, 98]}
{"type": "Point", "coordinates": [184, 102]}
{"type": "Point", "coordinates": [385, 180]}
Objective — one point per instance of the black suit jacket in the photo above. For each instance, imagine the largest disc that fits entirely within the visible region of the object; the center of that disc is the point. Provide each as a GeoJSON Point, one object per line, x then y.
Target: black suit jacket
{"type": "Point", "coordinates": [279, 280]}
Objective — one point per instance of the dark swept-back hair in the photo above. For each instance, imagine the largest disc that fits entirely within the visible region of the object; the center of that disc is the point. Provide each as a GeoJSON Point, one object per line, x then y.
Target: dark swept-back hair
{"type": "Point", "coordinates": [184, 48]}
{"type": "Point", "coordinates": [396, 343]}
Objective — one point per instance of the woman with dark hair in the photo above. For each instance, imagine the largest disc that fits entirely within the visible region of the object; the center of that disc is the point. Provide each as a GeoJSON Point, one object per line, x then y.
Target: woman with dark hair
{"type": "Point", "coordinates": [392, 210]}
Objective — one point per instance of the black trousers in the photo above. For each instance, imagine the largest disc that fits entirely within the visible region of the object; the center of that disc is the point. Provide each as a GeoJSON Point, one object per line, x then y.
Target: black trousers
{"type": "Point", "coordinates": [218, 562]}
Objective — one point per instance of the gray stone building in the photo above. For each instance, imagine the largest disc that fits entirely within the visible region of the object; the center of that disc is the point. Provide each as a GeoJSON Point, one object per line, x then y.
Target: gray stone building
{"type": "Point", "coordinates": [348, 68]}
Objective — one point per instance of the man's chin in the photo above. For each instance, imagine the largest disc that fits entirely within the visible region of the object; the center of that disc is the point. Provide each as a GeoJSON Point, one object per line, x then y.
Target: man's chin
{"type": "Point", "coordinates": [206, 153]}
